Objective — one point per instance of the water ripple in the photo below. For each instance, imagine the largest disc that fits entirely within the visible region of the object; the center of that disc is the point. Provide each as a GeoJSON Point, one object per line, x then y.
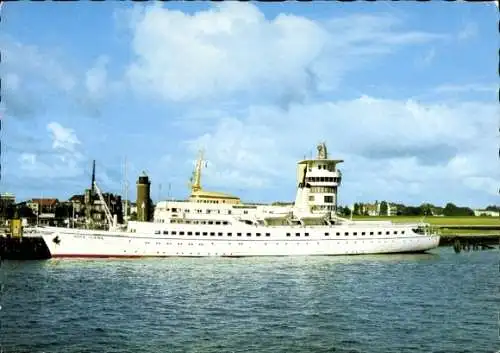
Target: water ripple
{"type": "Point", "coordinates": [438, 302]}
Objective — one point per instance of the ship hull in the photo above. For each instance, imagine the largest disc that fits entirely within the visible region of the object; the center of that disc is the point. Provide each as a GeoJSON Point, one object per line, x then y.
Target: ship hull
{"type": "Point", "coordinates": [103, 244]}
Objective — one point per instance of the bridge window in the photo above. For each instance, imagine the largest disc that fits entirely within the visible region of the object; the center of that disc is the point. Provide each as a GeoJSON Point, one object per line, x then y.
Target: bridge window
{"type": "Point", "coordinates": [238, 234]}
{"type": "Point", "coordinates": [371, 233]}
{"type": "Point", "coordinates": [229, 234]}
{"type": "Point", "coordinates": [205, 233]}
{"type": "Point", "coordinates": [287, 234]}
{"type": "Point", "coordinates": [219, 234]}
{"type": "Point", "coordinates": [338, 234]}
{"type": "Point", "coordinates": [197, 233]}
{"type": "Point", "coordinates": [174, 232]}
{"type": "Point", "coordinates": [157, 232]}
{"type": "Point", "coordinates": [268, 234]}
{"type": "Point", "coordinates": [258, 234]}
{"type": "Point", "coordinates": [307, 234]}
{"type": "Point", "coordinates": [212, 234]}
{"type": "Point", "coordinates": [346, 233]}
{"type": "Point", "coordinates": [249, 234]}
{"type": "Point", "coordinates": [327, 234]}
{"type": "Point", "coordinates": [165, 232]}
{"type": "Point", "coordinates": [297, 234]}
{"type": "Point", "coordinates": [181, 233]}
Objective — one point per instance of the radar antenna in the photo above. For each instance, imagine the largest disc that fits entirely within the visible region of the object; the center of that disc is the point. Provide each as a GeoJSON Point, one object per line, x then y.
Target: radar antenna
{"type": "Point", "coordinates": [322, 151]}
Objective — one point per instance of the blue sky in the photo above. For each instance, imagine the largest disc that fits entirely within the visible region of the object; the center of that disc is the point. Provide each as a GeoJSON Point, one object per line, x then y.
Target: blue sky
{"type": "Point", "coordinates": [405, 93]}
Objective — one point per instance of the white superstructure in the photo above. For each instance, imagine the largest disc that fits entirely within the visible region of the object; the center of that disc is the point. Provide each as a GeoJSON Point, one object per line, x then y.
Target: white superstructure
{"type": "Point", "coordinates": [216, 224]}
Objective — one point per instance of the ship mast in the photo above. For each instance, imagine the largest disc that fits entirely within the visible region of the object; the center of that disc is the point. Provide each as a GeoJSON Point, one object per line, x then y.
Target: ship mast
{"type": "Point", "coordinates": [196, 179]}
{"type": "Point", "coordinates": [125, 182]}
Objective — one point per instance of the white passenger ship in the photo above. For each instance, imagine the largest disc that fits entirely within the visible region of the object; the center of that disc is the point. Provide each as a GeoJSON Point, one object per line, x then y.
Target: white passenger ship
{"type": "Point", "coordinates": [216, 224]}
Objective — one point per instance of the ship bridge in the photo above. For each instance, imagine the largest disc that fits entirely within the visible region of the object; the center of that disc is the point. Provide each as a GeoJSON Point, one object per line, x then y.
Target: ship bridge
{"type": "Point", "coordinates": [317, 183]}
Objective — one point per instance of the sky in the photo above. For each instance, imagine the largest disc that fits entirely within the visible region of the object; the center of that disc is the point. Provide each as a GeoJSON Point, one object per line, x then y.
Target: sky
{"type": "Point", "coordinates": [405, 93]}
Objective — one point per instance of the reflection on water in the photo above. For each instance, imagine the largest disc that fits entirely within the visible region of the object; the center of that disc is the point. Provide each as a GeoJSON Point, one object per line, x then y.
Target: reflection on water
{"type": "Point", "coordinates": [376, 303]}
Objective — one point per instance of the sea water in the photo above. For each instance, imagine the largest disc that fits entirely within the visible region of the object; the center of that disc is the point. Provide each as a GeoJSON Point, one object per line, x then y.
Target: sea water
{"type": "Point", "coordinates": [434, 302]}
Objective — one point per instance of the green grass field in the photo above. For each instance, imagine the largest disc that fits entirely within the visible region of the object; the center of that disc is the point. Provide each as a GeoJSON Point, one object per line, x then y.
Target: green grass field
{"type": "Point", "coordinates": [446, 231]}
{"type": "Point", "coordinates": [437, 220]}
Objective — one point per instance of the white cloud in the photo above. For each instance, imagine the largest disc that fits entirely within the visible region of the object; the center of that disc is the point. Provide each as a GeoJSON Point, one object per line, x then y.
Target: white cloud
{"type": "Point", "coordinates": [51, 169]}
{"type": "Point", "coordinates": [483, 184]}
{"type": "Point", "coordinates": [28, 75]}
{"type": "Point", "coordinates": [63, 138]}
{"type": "Point", "coordinates": [427, 58]}
{"type": "Point", "coordinates": [396, 150]}
{"type": "Point", "coordinates": [28, 60]}
{"type": "Point", "coordinates": [233, 48]}
{"type": "Point", "coordinates": [240, 154]}
{"type": "Point", "coordinates": [32, 75]}
{"type": "Point", "coordinates": [11, 81]}
{"type": "Point", "coordinates": [469, 31]}
{"type": "Point", "coordinates": [27, 158]}
{"type": "Point", "coordinates": [65, 161]}
{"type": "Point", "coordinates": [467, 88]}
{"type": "Point", "coordinates": [99, 86]}
{"type": "Point", "coordinates": [96, 77]}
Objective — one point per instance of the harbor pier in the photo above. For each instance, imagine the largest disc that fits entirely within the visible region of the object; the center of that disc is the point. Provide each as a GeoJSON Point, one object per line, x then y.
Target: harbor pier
{"type": "Point", "coordinates": [23, 248]}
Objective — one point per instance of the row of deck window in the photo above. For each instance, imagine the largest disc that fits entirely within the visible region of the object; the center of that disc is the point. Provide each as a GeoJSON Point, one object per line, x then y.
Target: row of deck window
{"type": "Point", "coordinates": [364, 233]}
{"type": "Point", "coordinates": [208, 211]}
{"type": "Point", "coordinates": [266, 234]}
{"type": "Point", "coordinates": [322, 179]}
{"type": "Point", "coordinates": [187, 221]}
{"type": "Point", "coordinates": [210, 233]}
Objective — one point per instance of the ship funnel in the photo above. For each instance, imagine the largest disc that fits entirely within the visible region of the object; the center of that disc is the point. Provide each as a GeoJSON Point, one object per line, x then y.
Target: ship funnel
{"type": "Point", "coordinates": [143, 198]}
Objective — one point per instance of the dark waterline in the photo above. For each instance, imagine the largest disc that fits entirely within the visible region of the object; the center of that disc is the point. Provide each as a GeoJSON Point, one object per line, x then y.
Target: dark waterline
{"type": "Point", "coordinates": [435, 302]}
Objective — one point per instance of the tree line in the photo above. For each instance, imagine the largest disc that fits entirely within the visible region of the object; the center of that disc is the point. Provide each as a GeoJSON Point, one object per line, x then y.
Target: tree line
{"type": "Point", "coordinates": [425, 209]}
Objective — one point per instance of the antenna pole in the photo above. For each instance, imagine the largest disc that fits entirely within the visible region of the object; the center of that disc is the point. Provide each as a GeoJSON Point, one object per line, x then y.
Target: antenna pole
{"type": "Point", "coordinates": [92, 189]}
{"type": "Point", "coordinates": [126, 189]}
